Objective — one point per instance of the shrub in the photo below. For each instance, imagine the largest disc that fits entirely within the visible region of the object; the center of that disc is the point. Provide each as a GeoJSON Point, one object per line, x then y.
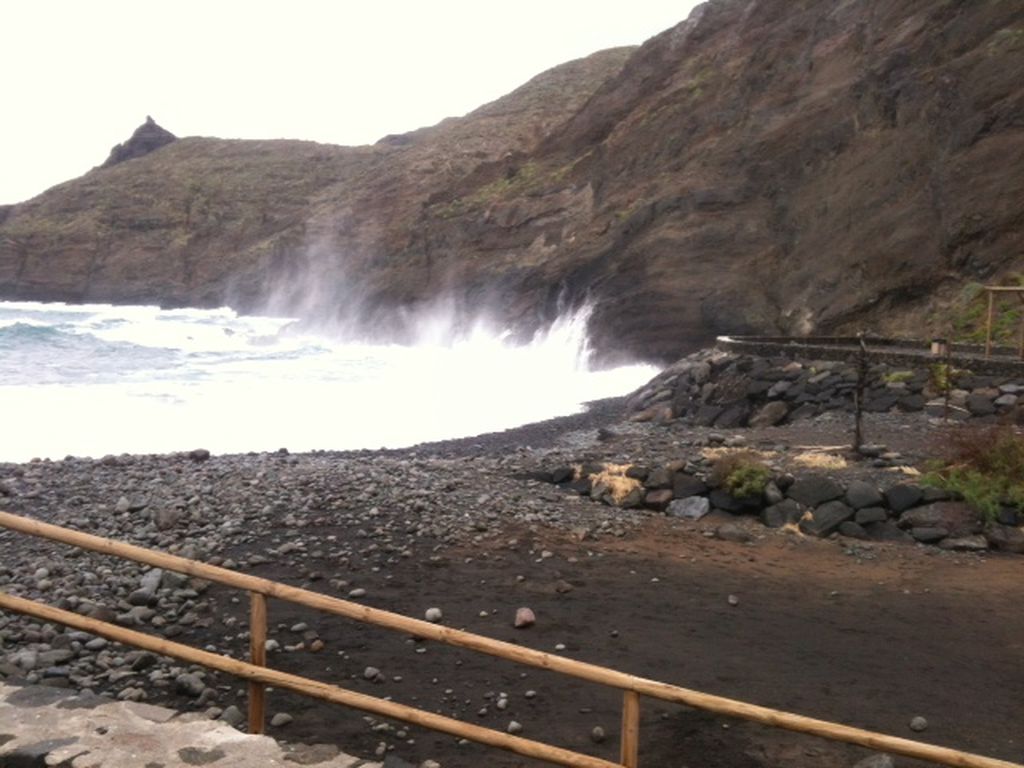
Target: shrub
{"type": "Point", "coordinates": [741, 473]}
{"type": "Point", "coordinates": [898, 377]}
{"type": "Point", "coordinates": [984, 465]}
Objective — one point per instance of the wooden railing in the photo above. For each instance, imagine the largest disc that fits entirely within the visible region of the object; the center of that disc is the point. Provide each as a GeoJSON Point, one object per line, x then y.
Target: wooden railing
{"type": "Point", "coordinates": [258, 675]}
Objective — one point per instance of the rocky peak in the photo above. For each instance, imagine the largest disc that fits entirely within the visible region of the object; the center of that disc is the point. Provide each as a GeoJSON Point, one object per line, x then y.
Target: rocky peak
{"type": "Point", "coordinates": [147, 137]}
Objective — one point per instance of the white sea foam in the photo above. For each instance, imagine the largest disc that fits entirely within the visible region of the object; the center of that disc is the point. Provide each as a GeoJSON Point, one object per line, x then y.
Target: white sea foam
{"type": "Point", "coordinates": [94, 379]}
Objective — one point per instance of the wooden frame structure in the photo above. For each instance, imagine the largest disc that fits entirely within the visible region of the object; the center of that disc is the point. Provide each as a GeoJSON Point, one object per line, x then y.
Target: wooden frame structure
{"type": "Point", "coordinates": [258, 675]}
{"type": "Point", "coordinates": [992, 290]}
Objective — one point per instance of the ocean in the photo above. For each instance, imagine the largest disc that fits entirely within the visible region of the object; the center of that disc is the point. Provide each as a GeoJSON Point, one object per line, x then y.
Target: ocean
{"type": "Point", "coordinates": [95, 379]}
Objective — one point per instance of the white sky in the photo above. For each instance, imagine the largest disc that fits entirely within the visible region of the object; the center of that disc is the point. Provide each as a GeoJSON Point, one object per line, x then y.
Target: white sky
{"type": "Point", "coordinates": [81, 75]}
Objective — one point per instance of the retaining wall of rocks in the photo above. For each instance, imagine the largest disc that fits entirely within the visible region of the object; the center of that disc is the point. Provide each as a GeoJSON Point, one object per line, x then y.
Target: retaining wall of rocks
{"type": "Point", "coordinates": [817, 504]}
{"type": "Point", "coordinates": [727, 389]}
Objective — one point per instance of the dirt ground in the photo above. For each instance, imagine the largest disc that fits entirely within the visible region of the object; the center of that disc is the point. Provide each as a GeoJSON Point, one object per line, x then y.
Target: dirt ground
{"type": "Point", "coordinates": [866, 634]}
{"type": "Point", "coordinates": [870, 635]}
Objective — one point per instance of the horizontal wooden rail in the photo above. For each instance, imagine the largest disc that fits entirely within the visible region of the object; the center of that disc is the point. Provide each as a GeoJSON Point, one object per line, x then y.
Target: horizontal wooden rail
{"type": "Point", "coordinates": [718, 704]}
{"type": "Point", "coordinates": [303, 685]}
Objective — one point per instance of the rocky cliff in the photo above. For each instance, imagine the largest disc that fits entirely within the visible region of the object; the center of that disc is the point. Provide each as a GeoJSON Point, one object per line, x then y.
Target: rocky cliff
{"type": "Point", "coordinates": [766, 165]}
{"type": "Point", "coordinates": [147, 138]}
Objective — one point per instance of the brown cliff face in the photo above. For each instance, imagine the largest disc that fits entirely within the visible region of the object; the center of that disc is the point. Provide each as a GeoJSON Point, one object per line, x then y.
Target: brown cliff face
{"type": "Point", "coordinates": [767, 165]}
{"type": "Point", "coordinates": [780, 166]}
{"type": "Point", "coordinates": [255, 223]}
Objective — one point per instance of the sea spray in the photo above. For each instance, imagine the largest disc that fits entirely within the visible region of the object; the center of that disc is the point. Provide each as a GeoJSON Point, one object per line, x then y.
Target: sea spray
{"type": "Point", "coordinates": [89, 380]}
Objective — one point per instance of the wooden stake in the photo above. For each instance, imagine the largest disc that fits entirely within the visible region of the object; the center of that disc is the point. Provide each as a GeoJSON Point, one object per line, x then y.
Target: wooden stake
{"type": "Point", "coordinates": [258, 657]}
{"type": "Point", "coordinates": [630, 752]}
{"type": "Point", "coordinates": [988, 324]}
{"type": "Point", "coordinates": [582, 670]}
{"type": "Point", "coordinates": [1020, 350]}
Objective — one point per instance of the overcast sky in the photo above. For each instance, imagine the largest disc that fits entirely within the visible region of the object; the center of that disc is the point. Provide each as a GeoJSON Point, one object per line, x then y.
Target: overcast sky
{"type": "Point", "coordinates": [79, 77]}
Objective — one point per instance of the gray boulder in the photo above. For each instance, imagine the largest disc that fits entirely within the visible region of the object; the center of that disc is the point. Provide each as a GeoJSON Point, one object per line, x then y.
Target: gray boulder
{"type": "Point", "coordinates": [826, 519]}
{"type": "Point", "coordinates": [871, 515]}
{"type": "Point", "coordinates": [684, 485]}
{"type": "Point", "coordinates": [902, 497]}
{"type": "Point", "coordinates": [861, 494]}
{"type": "Point", "coordinates": [770, 414]}
{"type": "Point", "coordinates": [1006, 538]}
{"type": "Point", "coordinates": [778, 515]}
{"type": "Point", "coordinates": [690, 508]}
{"type": "Point", "coordinates": [814, 490]}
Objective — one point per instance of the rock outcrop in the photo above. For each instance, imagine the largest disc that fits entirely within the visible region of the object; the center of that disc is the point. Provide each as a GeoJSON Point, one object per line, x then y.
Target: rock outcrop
{"type": "Point", "coordinates": [147, 138]}
{"type": "Point", "coordinates": [764, 166]}
{"type": "Point", "coordinates": [51, 726]}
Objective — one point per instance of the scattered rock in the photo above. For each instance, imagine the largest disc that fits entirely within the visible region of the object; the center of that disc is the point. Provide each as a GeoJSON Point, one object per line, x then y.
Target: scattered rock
{"type": "Point", "coordinates": [918, 724]}
{"type": "Point", "coordinates": [733, 532]}
{"type": "Point", "coordinates": [433, 615]}
{"type": "Point", "coordinates": [876, 761]}
{"type": "Point", "coordinates": [524, 618]}
{"type": "Point", "coordinates": [233, 716]}
{"type": "Point", "coordinates": [977, 543]}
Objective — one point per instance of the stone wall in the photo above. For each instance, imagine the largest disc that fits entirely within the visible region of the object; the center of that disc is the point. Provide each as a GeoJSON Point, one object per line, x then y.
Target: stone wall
{"type": "Point", "coordinates": [727, 389]}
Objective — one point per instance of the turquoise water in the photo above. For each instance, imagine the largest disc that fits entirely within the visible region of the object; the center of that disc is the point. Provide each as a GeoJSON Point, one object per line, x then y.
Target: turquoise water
{"type": "Point", "coordinates": [88, 380]}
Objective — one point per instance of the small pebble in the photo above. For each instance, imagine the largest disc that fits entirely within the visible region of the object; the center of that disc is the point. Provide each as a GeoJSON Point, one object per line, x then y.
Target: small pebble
{"type": "Point", "coordinates": [918, 724]}
{"type": "Point", "coordinates": [524, 618]}
{"type": "Point", "coordinates": [433, 615]}
{"type": "Point", "coordinates": [514, 727]}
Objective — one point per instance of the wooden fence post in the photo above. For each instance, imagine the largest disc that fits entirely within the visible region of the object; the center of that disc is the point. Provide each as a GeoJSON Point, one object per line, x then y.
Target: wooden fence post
{"type": "Point", "coordinates": [858, 393]}
{"type": "Point", "coordinates": [988, 324]}
{"type": "Point", "coordinates": [257, 656]}
{"type": "Point", "coordinates": [630, 753]}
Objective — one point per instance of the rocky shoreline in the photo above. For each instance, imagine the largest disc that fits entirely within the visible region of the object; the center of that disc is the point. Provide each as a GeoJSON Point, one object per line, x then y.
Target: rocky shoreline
{"type": "Point", "coordinates": [342, 523]}
{"type": "Point", "coordinates": [244, 512]}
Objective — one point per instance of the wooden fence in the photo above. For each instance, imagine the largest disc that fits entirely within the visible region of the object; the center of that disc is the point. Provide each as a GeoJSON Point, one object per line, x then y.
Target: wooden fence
{"type": "Point", "coordinates": [258, 675]}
